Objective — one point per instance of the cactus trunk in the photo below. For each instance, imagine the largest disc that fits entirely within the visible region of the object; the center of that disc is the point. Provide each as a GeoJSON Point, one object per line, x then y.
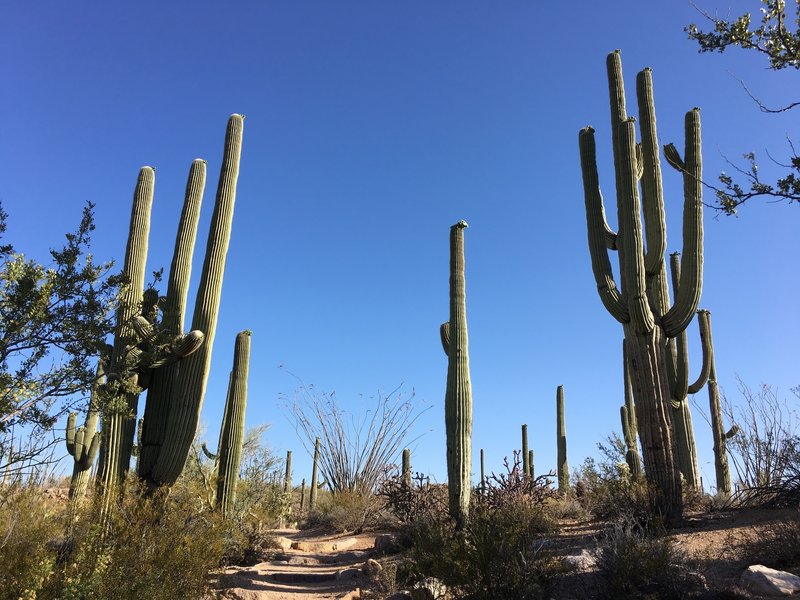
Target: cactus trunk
{"type": "Point", "coordinates": [287, 478]}
{"type": "Point", "coordinates": [458, 394]}
{"type": "Point", "coordinates": [232, 435]}
{"type": "Point", "coordinates": [483, 477]}
{"type": "Point", "coordinates": [561, 438]}
{"type": "Point", "coordinates": [630, 430]}
{"type": "Point", "coordinates": [641, 302]}
{"type": "Point", "coordinates": [312, 494]}
{"type": "Point", "coordinates": [406, 469]}
{"type": "Point", "coordinates": [526, 464]}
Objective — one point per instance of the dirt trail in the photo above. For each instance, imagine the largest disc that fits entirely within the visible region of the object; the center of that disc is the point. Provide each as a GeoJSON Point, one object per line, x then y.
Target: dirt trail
{"type": "Point", "coordinates": [309, 567]}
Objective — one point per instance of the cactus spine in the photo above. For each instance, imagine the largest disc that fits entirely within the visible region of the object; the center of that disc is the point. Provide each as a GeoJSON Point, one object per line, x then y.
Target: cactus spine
{"type": "Point", "coordinates": [406, 469]}
{"type": "Point", "coordinates": [232, 434]}
{"type": "Point", "coordinates": [561, 438]}
{"type": "Point", "coordinates": [526, 463]}
{"type": "Point", "coordinates": [312, 493]}
{"type": "Point", "coordinates": [721, 466]}
{"type": "Point", "coordinates": [641, 302]}
{"type": "Point", "coordinates": [678, 375]}
{"type": "Point", "coordinates": [83, 443]}
{"type": "Point", "coordinates": [458, 393]}
{"type": "Point", "coordinates": [627, 413]}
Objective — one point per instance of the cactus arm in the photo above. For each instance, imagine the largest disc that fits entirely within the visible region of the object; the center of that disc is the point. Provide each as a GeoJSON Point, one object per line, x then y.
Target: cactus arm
{"type": "Point", "coordinates": [679, 387]}
{"type": "Point", "coordinates": [595, 224]}
{"type": "Point", "coordinates": [72, 421]}
{"type": "Point", "coordinates": [444, 334]}
{"type": "Point", "coordinates": [193, 376]}
{"type": "Point", "coordinates": [690, 287]}
{"type": "Point", "coordinates": [632, 250]}
{"type": "Point", "coordinates": [209, 454]}
{"type": "Point", "coordinates": [708, 356]}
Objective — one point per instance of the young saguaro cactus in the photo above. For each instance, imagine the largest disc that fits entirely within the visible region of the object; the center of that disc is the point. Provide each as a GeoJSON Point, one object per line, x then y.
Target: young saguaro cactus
{"type": "Point", "coordinates": [458, 393]}
{"type": "Point", "coordinates": [678, 375]}
{"type": "Point", "coordinates": [406, 468]}
{"type": "Point", "coordinates": [312, 493]}
{"type": "Point", "coordinates": [561, 439]}
{"type": "Point", "coordinates": [232, 434]}
{"type": "Point", "coordinates": [83, 443]}
{"type": "Point", "coordinates": [641, 303]}
{"type": "Point", "coordinates": [526, 464]}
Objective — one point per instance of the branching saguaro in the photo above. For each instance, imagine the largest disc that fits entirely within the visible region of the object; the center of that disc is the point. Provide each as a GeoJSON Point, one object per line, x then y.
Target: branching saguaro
{"type": "Point", "coordinates": [458, 394]}
{"type": "Point", "coordinates": [641, 302]}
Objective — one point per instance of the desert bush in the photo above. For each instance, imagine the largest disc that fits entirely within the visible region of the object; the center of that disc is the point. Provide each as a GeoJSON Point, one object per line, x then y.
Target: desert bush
{"type": "Point", "coordinates": [502, 551]}
{"type": "Point", "coordinates": [777, 546]}
{"type": "Point", "coordinates": [346, 511]}
{"type": "Point", "coordinates": [639, 562]}
{"type": "Point", "coordinates": [29, 524]}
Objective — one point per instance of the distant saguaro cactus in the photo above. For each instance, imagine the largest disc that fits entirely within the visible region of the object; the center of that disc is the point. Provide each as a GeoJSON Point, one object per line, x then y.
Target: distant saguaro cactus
{"type": "Point", "coordinates": [526, 463]}
{"type": "Point", "coordinates": [641, 304]}
{"type": "Point", "coordinates": [312, 493]}
{"type": "Point", "coordinates": [458, 393]}
{"type": "Point", "coordinates": [561, 438]}
{"type": "Point", "coordinates": [287, 478]}
{"type": "Point", "coordinates": [406, 467]}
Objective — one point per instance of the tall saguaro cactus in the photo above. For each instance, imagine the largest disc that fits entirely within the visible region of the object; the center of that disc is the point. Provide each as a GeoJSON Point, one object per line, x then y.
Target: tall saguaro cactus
{"type": "Point", "coordinates": [231, 436]}
{"type": "Point", "coordinates": [458, 393]}
{"type": "Point", "coordinates": [561, 439]}
{"type": "Point", "coordinates": [406, 467]}
{"type": "Point", "coordinates": [641, 303]}
{"type": "Point", "coordinates": [678, 374]}
{"type": "Point", "coordinates": [526, 465]}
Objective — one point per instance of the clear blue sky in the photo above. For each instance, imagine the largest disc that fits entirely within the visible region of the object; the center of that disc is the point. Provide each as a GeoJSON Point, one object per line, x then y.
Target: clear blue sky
{"type": "Point", "coordinates": [371, 128]}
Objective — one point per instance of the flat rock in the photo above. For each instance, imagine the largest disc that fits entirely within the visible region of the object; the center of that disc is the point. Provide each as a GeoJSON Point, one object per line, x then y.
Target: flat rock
{"type": "Point", "coordinates": [283, 543]}
{"type": "Point", "coordinates": [770, 582]}
{"type": "Point", "coordinates": [351, 573]}
{"type": "Point", "coordinates": [326, 545]}
{"type": "Point", "coordinates": [585, 561]}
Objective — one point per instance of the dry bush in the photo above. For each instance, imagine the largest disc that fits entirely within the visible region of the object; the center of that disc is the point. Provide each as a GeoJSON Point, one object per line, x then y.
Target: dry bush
{"type": "Point", "coordinates": [346, 512]}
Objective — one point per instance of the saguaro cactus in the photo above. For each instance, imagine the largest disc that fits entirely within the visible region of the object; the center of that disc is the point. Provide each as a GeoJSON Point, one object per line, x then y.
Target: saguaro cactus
{"type": "Point", "coordinates": [83, 443]}
{"type": "Point", "coordinates": [458, 393]}
{"type": "Point", "coordinates": [483, 477]}
{"type": "Point", "coordinates": [720, 436]}
{"type": "Point", "coordinates": [526, 465]}
{"type": "Point", "coordinates": [406, 468]}
{"type": "Point", "coordinates": [678, 375]}
{"type": "Point", "coordinates": [287, 479]}
{"type": "Point", "coordinates": [312, 493]}
{"type": "Point", "coordinates": [531, 470]}
{"type": "Point", "coordinates": [641, 303]}
{"type": "Point", "coordinates": [561, 439]}
{"type": "Point", "coordinates": [231, 436]}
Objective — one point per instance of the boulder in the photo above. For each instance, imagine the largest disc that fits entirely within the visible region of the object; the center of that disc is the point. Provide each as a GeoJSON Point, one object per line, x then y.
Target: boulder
{"type": "Point", "coordinates": [429, 588]}
{"type": "Point", "coordinates": [585, 561]}
{"type": "Point", "coordinates": [764, 581]}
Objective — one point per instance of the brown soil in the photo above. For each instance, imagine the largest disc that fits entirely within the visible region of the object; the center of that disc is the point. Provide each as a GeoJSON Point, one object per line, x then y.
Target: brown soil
{"type": "Point", "coordinates": [718, 546]}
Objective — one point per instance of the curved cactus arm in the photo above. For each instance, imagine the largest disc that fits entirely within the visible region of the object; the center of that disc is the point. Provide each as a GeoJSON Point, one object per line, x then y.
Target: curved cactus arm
{"type": "Point", "coordinates": [72, 422]}
{"type": "Point", "coordinates": [679, 386]}
{"type": "Point", "coordinates": [632, 250]}
{"type": "Point", "coordinates": [595, 224]}
{"type": "Point", "coordinates": [207, 452]}
{"type": "Point", "coordinates": [708, 356]}
{"type": "Point", "coordinates": [687, 296]}
{"type": "Point", "coordinates": [184, 412]}
{"type": "Point", "coordinates": [444, 334]}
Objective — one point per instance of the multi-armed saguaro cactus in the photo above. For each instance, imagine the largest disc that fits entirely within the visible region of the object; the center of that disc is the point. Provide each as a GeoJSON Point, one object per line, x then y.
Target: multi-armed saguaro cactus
{"type": "Point", "coordinates": [176, 389]}
{"type": "Point", "coordinates": [312, 493]}
{"type": "Point", "coordinates": [231, 437]}
{"type": "Point", "coordinates": [458, 394]}
{"type": "Point", "coordinates": [627, 415]}
{"type": "Point", "coordinates": [678, 374]}
{"type": "Point", "coordinates": [641, 302]}
{"type": "Point", "coordinates": [561, 439]}
{"type": "Point", "coordinates": [83, 443]}
{"type": "Point", "coordinates": [721, 437]}
{"type": "Point", "coordinates": [526, 464]}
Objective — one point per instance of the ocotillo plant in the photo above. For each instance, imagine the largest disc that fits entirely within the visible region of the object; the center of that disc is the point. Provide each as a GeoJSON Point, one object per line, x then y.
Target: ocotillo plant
{"type": "Point", "coordinates": [561, 439]}
{"type": "Point", "coordinates": [526, 465]}
{"type": "Point", "coordinates": [458, 393]}
{"type": "Point", "coordinates": [406, 468]}
{"type": "Point", "coordinates": [678, 374]}
{"type": "Point", "coordinates": [83, 443]}
{"type": "Point", "coordinates": [627, 413]}
{"type": "Point", "coordinates": [231, 436]}
{"type": "Point", "coordinates": [312, 493]}
{"type": "Point", "coordinates": [720, 436]}
{"type": "Point", "coordinates": [641, 303]}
